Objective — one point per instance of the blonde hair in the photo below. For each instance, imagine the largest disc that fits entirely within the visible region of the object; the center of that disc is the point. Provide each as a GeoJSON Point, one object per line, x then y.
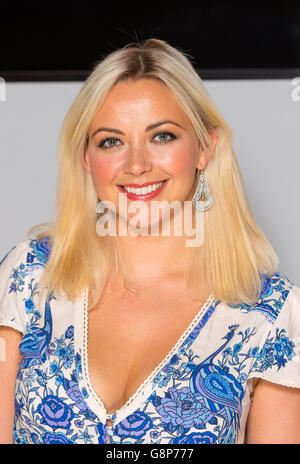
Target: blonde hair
{"type": "Point", "coordinates": [235, 251]}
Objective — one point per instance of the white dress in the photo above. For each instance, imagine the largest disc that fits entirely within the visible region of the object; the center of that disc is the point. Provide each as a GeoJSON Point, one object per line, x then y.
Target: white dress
{"type": "Point", "coordinates": [199, 393]}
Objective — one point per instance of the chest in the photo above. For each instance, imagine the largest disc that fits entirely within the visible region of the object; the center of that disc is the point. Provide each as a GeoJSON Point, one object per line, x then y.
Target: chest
{"type": "Point", "coordinates": [129, 335]}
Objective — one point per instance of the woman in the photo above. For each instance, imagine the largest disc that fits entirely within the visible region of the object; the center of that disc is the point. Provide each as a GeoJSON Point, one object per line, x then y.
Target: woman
{"type": "Point", "coordinates": [114, 337]}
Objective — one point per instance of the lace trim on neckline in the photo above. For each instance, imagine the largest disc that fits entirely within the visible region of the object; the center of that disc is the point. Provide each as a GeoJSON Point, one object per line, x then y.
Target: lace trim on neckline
{"type": "Point", "coordinates": [152, 374]}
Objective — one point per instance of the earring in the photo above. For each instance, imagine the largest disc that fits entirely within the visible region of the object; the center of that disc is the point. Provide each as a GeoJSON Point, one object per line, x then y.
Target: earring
{"type": "Point", "coordinates": [99, 210]}
{"type": "Point", "coordinates": [202, 199]}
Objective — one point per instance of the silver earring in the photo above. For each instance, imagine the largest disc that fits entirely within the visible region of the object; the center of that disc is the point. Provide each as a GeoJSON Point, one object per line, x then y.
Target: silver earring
{"type": "Point", "coordinates": [202, 199]}
{"type": "Point", "coordinates": [100, 209]}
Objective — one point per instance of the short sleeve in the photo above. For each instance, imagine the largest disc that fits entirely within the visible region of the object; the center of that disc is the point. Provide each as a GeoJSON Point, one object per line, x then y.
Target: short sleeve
{"type": "Point", "coordinates": [13, 288]}
{"type": "Point", "coordinates": [277, 359]}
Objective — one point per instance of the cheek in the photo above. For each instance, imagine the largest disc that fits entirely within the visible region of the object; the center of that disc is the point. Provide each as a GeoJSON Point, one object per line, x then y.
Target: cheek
{"type": "Point", "coordinates": [102, 171]}
{"type": "Point", "coordinates": [180, 161]}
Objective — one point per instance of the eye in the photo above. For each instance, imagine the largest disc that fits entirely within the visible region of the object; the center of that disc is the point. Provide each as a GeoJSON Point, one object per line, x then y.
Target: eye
{"type": "Point", "coordinates": [165, 137]}
{"type": "Point", "coordinates": [108, 139]}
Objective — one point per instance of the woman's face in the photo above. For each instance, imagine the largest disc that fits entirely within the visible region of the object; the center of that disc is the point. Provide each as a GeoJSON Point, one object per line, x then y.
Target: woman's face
{"type": "Point", "coordinates": [141, 135]}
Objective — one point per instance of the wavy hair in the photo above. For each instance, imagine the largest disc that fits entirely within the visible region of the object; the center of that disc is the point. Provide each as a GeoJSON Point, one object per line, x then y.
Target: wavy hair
{"type": "Point", "coordinates": [235, 251]}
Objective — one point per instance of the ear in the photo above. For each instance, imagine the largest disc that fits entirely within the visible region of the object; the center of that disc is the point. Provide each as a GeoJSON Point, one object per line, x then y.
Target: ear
{"type": "Point", "coordinates": [205, 155]}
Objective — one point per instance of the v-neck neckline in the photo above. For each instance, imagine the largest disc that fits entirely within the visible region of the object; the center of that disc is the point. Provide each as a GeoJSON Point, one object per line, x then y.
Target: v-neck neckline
{"type": "Point", "coordinates": [81, 339]}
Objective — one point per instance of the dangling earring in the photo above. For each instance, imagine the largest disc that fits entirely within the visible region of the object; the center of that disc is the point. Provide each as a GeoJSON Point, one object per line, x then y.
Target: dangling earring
{"type": "Point", "coordinates": [201, 194]}
{"type": "Point", "coordinates": [99, 210]}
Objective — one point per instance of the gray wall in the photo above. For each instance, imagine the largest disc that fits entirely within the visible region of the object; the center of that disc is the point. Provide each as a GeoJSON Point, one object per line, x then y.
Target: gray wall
{"type": "Point", "coordinates": [262, 113]}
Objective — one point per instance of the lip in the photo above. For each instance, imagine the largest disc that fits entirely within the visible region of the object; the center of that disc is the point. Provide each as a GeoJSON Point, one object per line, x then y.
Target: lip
{"type": "Point", "coordinates": [142, 185]}
{"type": "Point", "coordinates": [147, 196]}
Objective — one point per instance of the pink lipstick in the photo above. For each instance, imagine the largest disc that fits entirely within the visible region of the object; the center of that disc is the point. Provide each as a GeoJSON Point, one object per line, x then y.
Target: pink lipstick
{"type": "Point", "coordinates": [142, 196]}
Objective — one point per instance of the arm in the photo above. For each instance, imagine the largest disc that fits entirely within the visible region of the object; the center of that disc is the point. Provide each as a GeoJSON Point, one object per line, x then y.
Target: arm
{"type": "Point", "coordinates": [274, 416]}
{"type": "Point", "coordinates": [9, 362]}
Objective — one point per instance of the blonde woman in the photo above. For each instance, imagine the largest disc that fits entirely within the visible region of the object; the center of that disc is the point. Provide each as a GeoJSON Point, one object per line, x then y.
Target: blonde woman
{"type": "Point", "coordinates": [142, 337]}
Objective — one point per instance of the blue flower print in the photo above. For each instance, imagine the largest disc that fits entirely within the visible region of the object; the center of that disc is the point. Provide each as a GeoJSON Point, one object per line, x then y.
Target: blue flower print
{"type": "Point", "coordinates": [53, 367]}
{"type": "Point", "coordinates": [18, 276]}
{"type": "Point", "coordinates": [29, 377]}
{"type": "Point", "coordinates": [188, 366]}
{"type": "Point", "coordinates": [69, 332]}
{"type": "Point", "coordinates": [29, 305]}
{"type": "Point", "coordinates": [18, 408]}
{"type": "Point", "coordinates": [101, 432]}
{"type": "Point", "coordinates": [59, 378]}
{"type": "Point", "coordinates": [55, 438]}
{"type": "Point", "coordinates": [154, 434]}
{"type": "Point", "coordinates": [79, 423]}
{"type": "Point", "coordinates": [34, 437]}
{"type": "Point", "coordinates": [275, 352]}
{"type": "Point", "coordinates": [30, 258]}
{"type": "Point", "coordinates": [134, 426]}
{"type": "Point", "coordinates": [55, 412]}
{"type": "Point", "coordinates": [154, 399]}
{"type": "Point", "coordinates": [41, 249]}
{"type": "Point", "coordinates": [274, 292]}
{"type": "Point", "coordinates": [42, 377]}
{"type": "Point", "coordinates": [180, 408]}
{"type": "Point", "coordinates": [174, 360]}
{"type": "Point", "coordinates": [242, 378]}
{"type": "Point", "coordinates": [61, 352]}
{"type": "Point", "coordinates": [84, 392]}
{"type": "Point", "coordinates": [13, 287]}
{"type": "Point", "coordinates": [74, 393]}
{"type": "Point", "coordinates": [196, 438]}
{"type": "Point", "coordinates": [30, 348]}
{"type": "Point", "coordinates": [236, 348]}
{"type": "Point", "coordinates": [197, 396]}
{"type": "Point", "coordinates": [86, 436]}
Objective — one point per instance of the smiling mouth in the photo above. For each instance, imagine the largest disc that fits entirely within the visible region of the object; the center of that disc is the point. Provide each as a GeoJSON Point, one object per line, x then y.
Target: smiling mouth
{"type": "Point", "coordinates": [143, 192]}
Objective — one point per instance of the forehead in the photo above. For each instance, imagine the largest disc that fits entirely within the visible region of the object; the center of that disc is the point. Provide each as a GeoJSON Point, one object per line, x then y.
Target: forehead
{"type": "Point", "coordinates": [147, 87]}
{"type": "Point", "coordinates": [144, 97]}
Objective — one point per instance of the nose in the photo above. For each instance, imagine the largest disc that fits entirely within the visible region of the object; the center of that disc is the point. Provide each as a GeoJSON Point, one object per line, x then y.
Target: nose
{"type": "Point", "coordinates": [137, 161]}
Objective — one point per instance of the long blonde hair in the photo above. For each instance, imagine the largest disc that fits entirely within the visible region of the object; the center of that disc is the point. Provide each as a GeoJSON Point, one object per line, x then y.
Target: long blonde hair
{"type": "Point", "coordinates": [235, 251]}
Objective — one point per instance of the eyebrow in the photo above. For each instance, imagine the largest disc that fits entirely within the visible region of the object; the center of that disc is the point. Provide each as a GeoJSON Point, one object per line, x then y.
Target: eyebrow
{"type": "Point", "coordinates": [148, 128]}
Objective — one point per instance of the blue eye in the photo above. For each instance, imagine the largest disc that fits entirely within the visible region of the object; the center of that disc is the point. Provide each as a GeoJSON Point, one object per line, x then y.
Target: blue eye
{"type": "Point", "coordinates": [167, 137]}
{"type": "Point", "coordinates": [166, 140]}
{"type": "Point", "coordinates": [107, 139]}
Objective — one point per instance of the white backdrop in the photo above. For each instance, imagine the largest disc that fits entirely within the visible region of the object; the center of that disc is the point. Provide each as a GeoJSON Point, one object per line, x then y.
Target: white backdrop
{"type": "Point", "coordinates": [262, 113]}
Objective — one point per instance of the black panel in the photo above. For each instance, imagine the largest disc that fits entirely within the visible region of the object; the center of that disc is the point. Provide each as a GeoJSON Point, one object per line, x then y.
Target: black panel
{"type": "Point", "coordinates": [63, 40]}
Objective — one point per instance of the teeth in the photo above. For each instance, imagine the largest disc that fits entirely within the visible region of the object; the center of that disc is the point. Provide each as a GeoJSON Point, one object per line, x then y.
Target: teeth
{"type": "Point", "coordinates": [143, 190]}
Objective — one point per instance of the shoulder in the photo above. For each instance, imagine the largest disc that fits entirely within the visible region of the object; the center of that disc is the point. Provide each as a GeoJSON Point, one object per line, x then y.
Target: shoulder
{"type": "Point", "coordinates": [38, 252]}
{"type": "Point", "coordinates": [29, 252]}
{"type": "Point", "coordinates": [13, 268]}
{"type": "Point", "coordinates": [20, 270]}
{"type": "Point", "coordinates": [21, 261]}
{"type": "Point", "coordinates": [278, 352]}
{"type": "Point", "coordinates": [276, 297]}
{"type": "Point", "coordinates": [263, 338]}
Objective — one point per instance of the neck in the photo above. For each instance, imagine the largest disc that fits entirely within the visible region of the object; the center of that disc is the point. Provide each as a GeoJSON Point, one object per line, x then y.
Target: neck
{"type": "Point", "coordinates": [152, 258]}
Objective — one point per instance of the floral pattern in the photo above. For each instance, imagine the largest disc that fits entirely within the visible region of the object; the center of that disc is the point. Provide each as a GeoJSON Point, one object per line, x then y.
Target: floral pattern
{"type": "Point", "coordinates": [198, 396]}
{"type": "Point", "coordinates": [274, 292]}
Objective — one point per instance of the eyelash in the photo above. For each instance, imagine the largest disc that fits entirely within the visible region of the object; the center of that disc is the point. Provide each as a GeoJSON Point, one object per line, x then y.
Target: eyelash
{"type": "Point", "coordinates": [101, 144]}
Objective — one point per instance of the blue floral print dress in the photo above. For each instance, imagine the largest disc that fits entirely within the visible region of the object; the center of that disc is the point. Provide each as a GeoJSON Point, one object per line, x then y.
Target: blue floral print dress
{"type": "Point", "coordinates": [200, 393]}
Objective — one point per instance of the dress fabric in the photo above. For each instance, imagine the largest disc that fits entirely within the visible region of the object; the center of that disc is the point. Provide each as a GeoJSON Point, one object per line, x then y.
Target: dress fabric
{"type": "Point", "coordinates": [201, 392]}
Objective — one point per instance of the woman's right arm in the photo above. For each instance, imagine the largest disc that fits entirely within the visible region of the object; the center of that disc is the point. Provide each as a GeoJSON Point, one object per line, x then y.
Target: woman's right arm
{"type": "Point", "coordinates": [9, 362]}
